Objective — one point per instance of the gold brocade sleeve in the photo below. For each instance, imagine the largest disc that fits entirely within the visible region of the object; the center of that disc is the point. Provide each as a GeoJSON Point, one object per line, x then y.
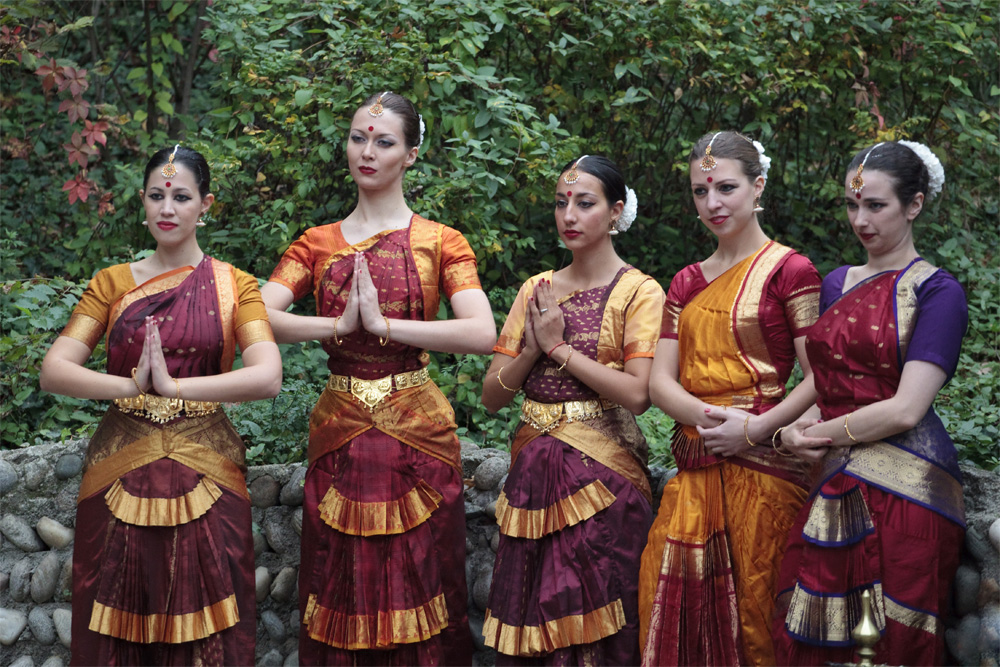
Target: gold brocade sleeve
{"type": "Point", "coordinates": [299, 264]}
{"type": "Point", "coordinates": [84, 328]}
{"type": "Point", "coordinates": [802, 311]}
{"type": "Point", "coordinates": [252, 325]}
{"type": "Point", "coordinates": [255, 331]}
{"type": "Point", "coordinates": [90, 318]}
{"type": "Point", "coordinates": [458, 263]}
{"type": "Point", "coordinates": [643, 318]}
{"type": "Point", "coordinates": [509, 342]}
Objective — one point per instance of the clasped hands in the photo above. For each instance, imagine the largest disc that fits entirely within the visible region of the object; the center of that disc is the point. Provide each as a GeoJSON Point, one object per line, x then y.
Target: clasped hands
{"type": "Point", "coordinates": [362, 308]}
{"type": "Point", "coordinates": [151, 371]}
{"type": "Point", "coordinates": [544, 325]}
{"type": "Point", "coordinates": [730, 435]}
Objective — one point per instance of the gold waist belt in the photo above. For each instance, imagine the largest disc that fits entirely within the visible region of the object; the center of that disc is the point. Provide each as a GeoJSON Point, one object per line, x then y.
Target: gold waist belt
{"type": "Point", "coordinates": [546, 416]}
{"type": "Point", "coordinates": [160, 409]}
{"type": "Point", "coordinates": [371, 393]}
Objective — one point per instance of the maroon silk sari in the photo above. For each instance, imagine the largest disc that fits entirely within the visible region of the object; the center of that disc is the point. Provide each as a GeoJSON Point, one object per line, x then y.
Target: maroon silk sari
{"type": "Point", "coordinates": [163, 557]}
{"type": "Point", "coordinates": [382, 576]}
{"type": "Point", "coordinates": [885, 516]}
{"type": "Point", "coordinates": [565, 583]}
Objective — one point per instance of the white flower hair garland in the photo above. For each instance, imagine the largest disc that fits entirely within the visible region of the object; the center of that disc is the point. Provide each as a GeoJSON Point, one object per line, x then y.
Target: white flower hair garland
{"type": "Point", "coordinates": [933, 164]}
{"type": "Point", "coordinates": [423, 128]}
{"type": "Point", "coordinates": [765, 161]}
{"type": "Point", "coordinates": [627, 217]}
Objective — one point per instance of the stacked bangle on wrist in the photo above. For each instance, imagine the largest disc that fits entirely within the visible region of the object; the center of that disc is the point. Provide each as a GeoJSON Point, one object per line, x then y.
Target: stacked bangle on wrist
{"type": "Point", "coordinates": [555, 347]}
{"type": "Point", "coordinates": [776, 447]}
{"type": "Point", "coordinates": [846, 429]}
{"type": "Point", "coordinates": [385, 341]}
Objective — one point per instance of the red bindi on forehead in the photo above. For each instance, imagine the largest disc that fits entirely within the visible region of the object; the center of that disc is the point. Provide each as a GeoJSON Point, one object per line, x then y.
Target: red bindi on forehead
{"type": "Point", "coordinates": [569, 194]}
{"type": "Point", "coordinates": [709, 179]}
{"type": "Point", "coordinates": [168, 184]}
{"type": "Point", "coordinates": [371, 129]}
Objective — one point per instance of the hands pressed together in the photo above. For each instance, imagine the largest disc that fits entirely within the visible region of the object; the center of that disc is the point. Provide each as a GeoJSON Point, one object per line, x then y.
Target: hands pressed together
{"type": "Point", "coordinates": [362, 307]}
{"type": "Point", "coordinates": [151, 371]}
{"type": "Point", "coordinates": [730, 436]}
{"type": "Point", "coordinates": [544, 325]}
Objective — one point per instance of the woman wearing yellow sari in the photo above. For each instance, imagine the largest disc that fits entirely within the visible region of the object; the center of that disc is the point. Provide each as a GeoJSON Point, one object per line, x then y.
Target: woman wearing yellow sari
{"type": "Point", "coordinates": [733, 327]}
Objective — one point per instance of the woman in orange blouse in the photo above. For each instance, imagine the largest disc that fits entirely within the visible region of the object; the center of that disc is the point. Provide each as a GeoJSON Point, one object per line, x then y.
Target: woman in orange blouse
{"type": "Point", "coordinates": [163, 559]}
{"type": "Point", "coordinates": [382, 577]}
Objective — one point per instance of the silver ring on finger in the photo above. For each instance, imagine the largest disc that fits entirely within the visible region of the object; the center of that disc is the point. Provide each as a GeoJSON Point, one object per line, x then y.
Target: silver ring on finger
{"type": "Point", "coordinates": [543, 310]}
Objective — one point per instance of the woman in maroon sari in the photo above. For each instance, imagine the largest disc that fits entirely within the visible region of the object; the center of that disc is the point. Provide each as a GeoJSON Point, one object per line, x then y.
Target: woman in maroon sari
{"type": "Point", "coordinates": [382, 577]}
{"type": "Point", "coordinates": [163, 557]}
{"type": "Point", "coordinates": [576, 505]}
{"type": "Point", "coordinates": [886, 514]}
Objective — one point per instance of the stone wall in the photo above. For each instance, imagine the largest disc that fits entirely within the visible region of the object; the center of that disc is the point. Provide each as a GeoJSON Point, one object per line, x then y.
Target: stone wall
{"type": "Point", "coordinates": [38, 488]}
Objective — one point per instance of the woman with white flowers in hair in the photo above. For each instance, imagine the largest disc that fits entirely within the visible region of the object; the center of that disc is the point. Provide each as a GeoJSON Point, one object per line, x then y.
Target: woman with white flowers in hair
{"type": "Point", "coordinates": [382, 578]}
{"type": "Point", "coordinates": [574, 510]}
{"type": "Point", "coordinates": [886, 514]}
{"type": "Point", "coordinates": [733, 327]}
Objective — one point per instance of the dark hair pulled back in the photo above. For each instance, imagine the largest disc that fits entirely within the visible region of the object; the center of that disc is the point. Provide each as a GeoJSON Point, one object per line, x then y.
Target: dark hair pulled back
{"type": "Point", "coordinates": [402, 108]}
{"type": "Point", "coordinates": [190, 159]}
{"type": "Point", "coordinates": [730, 145]}
{"type": "Point", "coordinates": [908, 172]}
{"type": "Point", "coordinates": [604, 170]}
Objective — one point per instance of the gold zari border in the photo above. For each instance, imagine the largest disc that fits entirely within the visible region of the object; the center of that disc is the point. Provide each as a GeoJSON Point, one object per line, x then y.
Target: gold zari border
{"type": "Point", "coordinates": [390, 517]}
{"type": "Point", "coordinates": [911, 618]}
{"type": "Point", "coordinates": [830, 619]}
{"type": "Point", "coordinates": [838, 521]}
{"type": "Point", "coordinates": [85, 329]}
{"type": "Point", "coordinates": [183, 509]}
{"type": "Point", "coordinates": [532, 640]}
{"type": "Point", "coordinates": [161, 444]}
{"type": "Point", "coordinates": [172, 629]}
{"type": "Point", "coordinates": [569, 511]}
{"type": "Point", "coordinates": [396, 626]}
{"type": "Point", "coordinates": [254, 331]}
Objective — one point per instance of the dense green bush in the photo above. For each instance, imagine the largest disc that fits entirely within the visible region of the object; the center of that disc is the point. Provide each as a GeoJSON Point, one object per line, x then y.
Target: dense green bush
{"type": "Point", "coordinates": [510, 90]}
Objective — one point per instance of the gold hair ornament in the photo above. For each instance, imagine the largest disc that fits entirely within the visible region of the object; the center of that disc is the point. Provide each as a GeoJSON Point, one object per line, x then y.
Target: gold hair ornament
{"type": "Point", "coordinates": [572, 176]}
{"type": "Point", "coordinates": [708, 162]}
{"type": "Point", "coordinates": [376, 110]}
{"type": "Point", "coordinates": [858, 183]}
{"type": "Point", "coordinates": [169, 170]}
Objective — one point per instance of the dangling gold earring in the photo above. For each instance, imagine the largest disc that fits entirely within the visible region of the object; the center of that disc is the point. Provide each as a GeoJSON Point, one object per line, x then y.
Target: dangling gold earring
{"type": "Point", "coordinates": [200, 223]}
{"type": "Point", "coordinates": [145, 223]}
{"type": "Point", "coordinates": [756, 205]}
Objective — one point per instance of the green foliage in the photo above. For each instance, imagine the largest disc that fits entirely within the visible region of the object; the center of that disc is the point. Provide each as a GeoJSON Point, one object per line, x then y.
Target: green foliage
{"type": "Point", "coordinates": [510, 91]}
{"type": "Point", "coordinates": [33, 312]}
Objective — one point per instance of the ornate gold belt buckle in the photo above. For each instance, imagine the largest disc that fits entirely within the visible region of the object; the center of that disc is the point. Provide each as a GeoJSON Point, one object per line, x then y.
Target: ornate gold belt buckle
{"type": "Point", "coordinates": [161, 409]}
{"type": "Point", "coordinates": [371, 393]}
{"type": "Point", "coordinates": [200, 408]}
{"type": "Point", "coordinates": [543, 416]}
{"type": "Point", "coordinates": [582, 410]}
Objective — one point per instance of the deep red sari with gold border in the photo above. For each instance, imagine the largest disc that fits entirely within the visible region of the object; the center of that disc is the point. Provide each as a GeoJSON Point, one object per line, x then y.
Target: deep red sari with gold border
{"type": "Point", "coordinates": [885, 516]}
{"type": "Point", "coordinates": [163, 555]}
{"type": "Point", "coordinates": [382, 576]}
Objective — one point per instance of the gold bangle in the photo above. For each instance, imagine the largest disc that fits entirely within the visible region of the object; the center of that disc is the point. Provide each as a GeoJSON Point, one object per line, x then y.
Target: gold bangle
{"type": "Point", "coordinates": [774, 443]}
{"type": "Point", "coordinates": [385, 341]}
{"type": "Point", "coordinates": [336, 321]}
{"type": "Point", "coordinates": [847, 419]}
{"type": "Point", "coordinates": [568, 356]}
{"type": "Point", "coordinates": [177, 383]}
{"type": "Point", "coordinates": [746, 431]}
{"type": "Point", "coordinates": [513, 391]}
{"type": "Point", "coordinates": [141, 392]}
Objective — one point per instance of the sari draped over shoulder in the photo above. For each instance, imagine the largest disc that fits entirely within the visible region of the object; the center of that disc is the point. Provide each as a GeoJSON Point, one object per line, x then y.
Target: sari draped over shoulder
{"type": "Point", "coordinates": [564, 582]}
{"type": "Point", "coordinates": [885, 516]}
{"type": "Point", "coordinates": [163, 558]}
{"type": "Point", "coordinates": [708, 573]}
{"type": "Point", "coordinates": [382, 575]}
